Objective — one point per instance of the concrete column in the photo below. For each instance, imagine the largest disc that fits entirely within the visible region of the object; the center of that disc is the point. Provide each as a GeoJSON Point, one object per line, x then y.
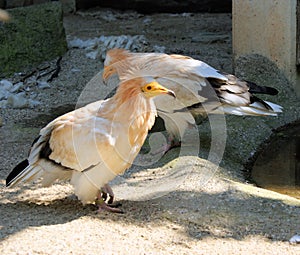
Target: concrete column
{"type": "Point", "coordinates": [268, 28]}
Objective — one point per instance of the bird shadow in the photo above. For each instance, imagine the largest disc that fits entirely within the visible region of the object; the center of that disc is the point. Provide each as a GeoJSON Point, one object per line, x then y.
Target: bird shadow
{"type": "Point", "coordinates": [229, 214]}
{"type": "Point", "coordinates": [19, 215]}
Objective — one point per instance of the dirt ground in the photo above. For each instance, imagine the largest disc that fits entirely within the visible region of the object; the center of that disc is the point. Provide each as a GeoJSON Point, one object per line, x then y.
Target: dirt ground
{"type": "Point", "coordinates": [204, 213]}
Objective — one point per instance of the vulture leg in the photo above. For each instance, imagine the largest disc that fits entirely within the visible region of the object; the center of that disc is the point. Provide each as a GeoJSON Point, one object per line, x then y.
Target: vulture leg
{"type": "Point", "coordinates": [102, 206]}
{"type": "Point", "coordinates": [106, 189]}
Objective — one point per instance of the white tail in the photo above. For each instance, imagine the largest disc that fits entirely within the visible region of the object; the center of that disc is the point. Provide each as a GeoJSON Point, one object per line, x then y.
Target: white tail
{"type": "Point", "coordinates": [254, 109]}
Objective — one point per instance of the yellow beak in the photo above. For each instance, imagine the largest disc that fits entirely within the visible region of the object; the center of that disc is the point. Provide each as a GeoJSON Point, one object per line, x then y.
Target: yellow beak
{"type": "Point", "coordinates": [154, 89]}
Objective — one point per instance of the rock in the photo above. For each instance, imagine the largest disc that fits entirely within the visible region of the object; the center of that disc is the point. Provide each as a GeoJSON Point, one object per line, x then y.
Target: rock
{"type": "Point", "coordinates": [97, 47]}
{"type": "Point", "coordinates": [295, 239]}
{"type": "Point", "coordinates": [92, 54]}
{"type": "Point", "coordinates": [33, 103]}
{"type": "Point", "coordinates": [1, 122]}
{"type": "Point", "coordinates": [16, 87]}
{"type": "Point", "coordinates": [3, 93]}
{"type": "Point", "coordinates": [43, 85]}
{"type": "Point", "coordinates": [34, 34]}
{"type": "Point", "coordinates": [6, 84]}
{"type": "Point", "coordinates": [18, 101]}
{"type": "Point", "coordinates": [83, 44]}
{"type": "Point", "coordinates": [3, 103]}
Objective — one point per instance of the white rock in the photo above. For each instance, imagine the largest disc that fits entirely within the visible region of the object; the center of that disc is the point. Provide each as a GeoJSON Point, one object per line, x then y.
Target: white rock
{"type": "Point", "coordinates": [3, 93]}
{"type": "Point", "coordinates": [16, 87]}
{"type": "Point", "coordinates": [133, 43]}
{"type": "Point", "coordinates": [75, 70]}
{"type": "Point", "coordinates": [3, 103]}
{"type": "Point", "coordinates": [6, 84]}
{"type": "Point", "coordinates": [97, 47]}
{"type": "Point", "coordinates": [147, 20]}
{"type": "Point", "coordinates": [43, 85]}
{"type": "Point", "coordinates": [295, 239]}
{"type": "Point", "coordinates": [92, 54]}
{"type": "Point", "coordinates": [76, 43]}
{"type": "Point", "coordinates": [17, 101]}
{"type": "Point", "coordinates": [83, 44]}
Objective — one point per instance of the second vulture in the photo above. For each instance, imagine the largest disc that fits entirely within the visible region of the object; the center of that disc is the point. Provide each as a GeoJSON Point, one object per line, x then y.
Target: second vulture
{"type": "Point", "coordinates": [200, 89]}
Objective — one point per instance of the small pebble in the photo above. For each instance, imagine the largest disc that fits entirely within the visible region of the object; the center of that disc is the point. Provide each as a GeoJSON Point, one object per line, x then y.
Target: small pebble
{"type": "Point", "coordinates": [43, 85]}
{"type": "Point", "coordinates": [295, 239]}
{"type": "Point", "coordinates": [75, 70]}
{"type": "Point", "coordinates": [92, 54]}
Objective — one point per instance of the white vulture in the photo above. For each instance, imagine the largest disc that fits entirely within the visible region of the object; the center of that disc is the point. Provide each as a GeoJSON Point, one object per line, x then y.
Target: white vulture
{"type": "Point", "coordinates": [199, 88]}
{"type": "Point", "coordinates": [91, 145]}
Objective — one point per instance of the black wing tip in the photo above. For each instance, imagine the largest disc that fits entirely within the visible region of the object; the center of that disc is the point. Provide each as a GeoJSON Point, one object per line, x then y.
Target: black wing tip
{"type": "Point", "coordinates": [254, 88]}
{"type": "Point", "coordinates": [17, 170]}
{"type": "Point", "coordinates": [272, 91]}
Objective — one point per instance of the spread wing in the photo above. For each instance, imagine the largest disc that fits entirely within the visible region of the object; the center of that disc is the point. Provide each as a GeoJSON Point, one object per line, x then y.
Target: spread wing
{"type": "Point", "coordinates": [184, 75]}
{"type": "Point", "coordinates": [199, 87]}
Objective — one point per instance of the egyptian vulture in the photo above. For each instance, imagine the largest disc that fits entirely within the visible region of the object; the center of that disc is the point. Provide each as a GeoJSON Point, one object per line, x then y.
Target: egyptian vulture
{"type": "Point", "coordinates": [200, 89]}
{"type": "Point", "coordinates": [91, 145]}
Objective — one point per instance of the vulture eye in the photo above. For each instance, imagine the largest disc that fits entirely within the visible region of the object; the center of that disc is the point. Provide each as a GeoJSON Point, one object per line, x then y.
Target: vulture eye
{"type": "Point", "coordinates": [149, 87]}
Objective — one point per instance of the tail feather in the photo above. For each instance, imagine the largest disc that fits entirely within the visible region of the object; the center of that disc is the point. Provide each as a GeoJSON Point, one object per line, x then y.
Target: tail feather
{"type": "Point", "coordinates": [254, 109]}
{"type": "Point", "coordinates": [23, 172]}
{"type": "Point", "coordinates": [16, 171]}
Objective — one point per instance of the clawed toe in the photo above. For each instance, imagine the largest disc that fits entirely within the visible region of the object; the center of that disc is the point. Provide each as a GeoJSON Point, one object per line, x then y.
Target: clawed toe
{"type": "Point", "coordinates": [105, 200]}
{"type": "Point", "coordinates": [102, 206]}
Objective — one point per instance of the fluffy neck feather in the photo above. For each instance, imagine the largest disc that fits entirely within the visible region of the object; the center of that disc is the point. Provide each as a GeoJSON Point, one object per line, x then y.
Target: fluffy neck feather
{"type": "Point", "coordinates": [131, 108]}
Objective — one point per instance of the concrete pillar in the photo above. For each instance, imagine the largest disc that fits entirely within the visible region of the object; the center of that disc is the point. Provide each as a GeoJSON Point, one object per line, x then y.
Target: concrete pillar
{"type": "Point", "coordinates": [268, 28]}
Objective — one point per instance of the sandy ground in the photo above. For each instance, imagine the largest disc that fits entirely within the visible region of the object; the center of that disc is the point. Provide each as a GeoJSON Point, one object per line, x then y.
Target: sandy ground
{"type": "Point", "coordinates": [204, 213]}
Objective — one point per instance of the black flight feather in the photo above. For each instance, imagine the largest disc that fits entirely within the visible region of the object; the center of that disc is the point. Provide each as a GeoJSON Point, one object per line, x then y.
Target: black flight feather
{"type": "Point", "coordinates": [254, 88]}
{"type": "Point", "coordinates": [16, 171]}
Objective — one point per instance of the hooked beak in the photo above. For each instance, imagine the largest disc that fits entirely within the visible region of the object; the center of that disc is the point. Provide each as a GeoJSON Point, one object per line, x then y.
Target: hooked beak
{"type": "Point", "coordinates": [108, 71]}
{"type": "Point", "coordinates": [171, 93]}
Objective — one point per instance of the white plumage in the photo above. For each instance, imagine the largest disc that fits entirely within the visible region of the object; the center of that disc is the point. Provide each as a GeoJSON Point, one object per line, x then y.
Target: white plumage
{"type": "Point", "coordinates": [93, 144]}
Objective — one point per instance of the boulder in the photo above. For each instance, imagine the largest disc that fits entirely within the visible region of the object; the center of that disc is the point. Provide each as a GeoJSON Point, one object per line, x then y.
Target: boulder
{"type": "Point", "coordinates": [33, 35]}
